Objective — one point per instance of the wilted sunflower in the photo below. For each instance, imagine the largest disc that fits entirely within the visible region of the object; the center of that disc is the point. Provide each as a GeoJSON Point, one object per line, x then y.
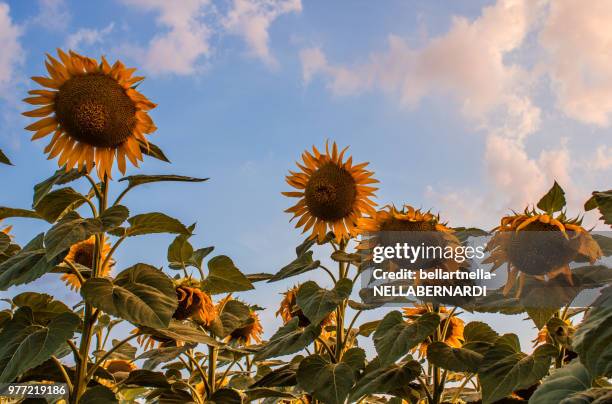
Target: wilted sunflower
{"type": "Point", "coordinates": [289, 310]}
{"type": "Point", "coordinates": [95, 113]}
{"type": "Point", "coordinates": [539, 245]}
{"type": "Point", "coordinates": [82, 253]}
{"type": "Point", "coordinates": [333, 193]}
{"type": "Point", "coordinates": [249, 333]}
{"type": "Point", "coordinates": [453, 325]}
{"type": "Point", "coordinates": [195, 304]}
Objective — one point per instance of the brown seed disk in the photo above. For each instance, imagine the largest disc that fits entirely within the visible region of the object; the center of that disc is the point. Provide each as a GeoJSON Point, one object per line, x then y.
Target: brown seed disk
{"type": "Point", "coordinates": [94, 109]}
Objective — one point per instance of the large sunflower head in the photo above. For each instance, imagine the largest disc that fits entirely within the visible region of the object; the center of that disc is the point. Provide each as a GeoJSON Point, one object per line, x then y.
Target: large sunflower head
{"type": "Point", "coordinates": [333, 193]}
{"type": "Point", "coordinates": [539, 244]}
{"type": "Point", "coordinates": [93, 111]}
{"type": "Point", "coordinates": [406, 219]}
{"type": "Point", "coordinates": [195, 304]}
{"type": "Point", "coordinates": [249, 333]}
{"type": "Point", "coordinates": [82, 253]}
{"type": "Point", "coordinates": [453, 336]}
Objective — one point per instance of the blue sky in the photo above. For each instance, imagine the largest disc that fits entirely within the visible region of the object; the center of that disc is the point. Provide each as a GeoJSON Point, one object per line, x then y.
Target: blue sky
{"type": "Point", "coordinates": [470, 108]}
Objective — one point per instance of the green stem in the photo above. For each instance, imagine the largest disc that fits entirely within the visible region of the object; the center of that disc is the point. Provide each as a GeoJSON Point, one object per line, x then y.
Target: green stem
{"type": "Point", "coordinates": [340, 311]}
{"type": "Point", "coordinates": [212, 368]}
{"type": "Point", "coordinates": [461, 387]}
{"type": "Point", "coordinates": [63, 372]}
{"type": "Point", "coordinates": [99, 363]}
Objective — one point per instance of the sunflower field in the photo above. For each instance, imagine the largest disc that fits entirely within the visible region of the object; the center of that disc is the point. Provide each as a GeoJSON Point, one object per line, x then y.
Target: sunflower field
{"type": "Point", "coordinates": [183, 334]}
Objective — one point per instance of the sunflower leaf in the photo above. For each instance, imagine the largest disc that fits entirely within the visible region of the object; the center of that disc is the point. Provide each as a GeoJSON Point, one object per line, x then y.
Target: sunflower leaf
{"type": "Point", "coordinates": [114, 217]}
{"type": "Point", "coordinates": [5, 242]}
{"type": "Point", "coordinates": [13, 212]}
{"type": "Point", "coordinates": [234, 315]}
{"type": "Point", "coordinates": [505, 368]}
{"type": "Point", "coordinates": [179, 331]}
{"type": "Point", "coordinates": [27, 265]}
{"type": "Point", "coordinates": [602, 201]}
{"type": "Point", "coordinates": [593, 338]}
{"type": "Point", "coordinates": [226, 396]}
{"type": "Point", "coordinates": [69, 231]}
{"type": "Point", "coordinates": [60, 177]}
{"type": "Point", "coordinates": [27, 344]}
{"type": "Point", "coordinates": [99, 395]}
{"type": "Point", "coordinates": [385, 380]}
{"type": "Point", "coordinates": [224, 277]}
{"type": "Point", "coordinates": [554, 200]}
{"type": "Point", "coordinates": [394, 337]}
{"type": "Point", "coordinates": [317, 303]}
{"type": "Point", "coordinates": [300, 265]}
{"type": "Point", "coordinates": [135, 180]}
{"type": "Point", "coordinates": [289, 339]}
{"type": "Point", "coordinates": [561, 383]}
{"type": "Point", "coordinates": [180, 252]}
{"type": "Point", "coordinates": [262, 392]}
{"type": "Point", "coordinates": [141, 294]}
{"type": "Point", "coordinates": [149, 223]}
{"type": "Point", "coordinates": [4, 159]}
{"type": "Point", "coordinates": [453, 359]}
{"type": "Point", "coordinates": [54, 205]}
{"type": "Point", "coordinates": [152, 150]}
{"type": "Point", "coordinates": [328, 382]}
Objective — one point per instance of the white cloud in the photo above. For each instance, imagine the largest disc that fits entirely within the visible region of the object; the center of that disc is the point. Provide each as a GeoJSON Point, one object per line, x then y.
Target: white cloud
{"type": "Point", "coordinates": [251, 20]}
{"type": "Point", "coordinates": [577, 38]}
{"type": "Point", "coordinates": [52, 15]}
{"type": "Point", "coordinates": [602, 160]}
{"type": "Point", "coordinates": [88, 36]}
{"type": "Point", "coordinates": [12, 54]}
{"type": "Point", "coordinates": [185, 41]}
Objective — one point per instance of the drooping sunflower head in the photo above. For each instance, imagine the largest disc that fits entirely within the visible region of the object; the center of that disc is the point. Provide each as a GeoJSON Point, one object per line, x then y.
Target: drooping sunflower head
{"type": "Point", "coordinates": [248, 334]}
{"type": "Point", "coordinates": [195, 304]}
{"type": "Point", "coordinates": [82, 253]}
{"type": "Point", "coordinates": [94, 112]}
{"type": "Point", "coordinates": [406, 219]}
{"type": "Point", "coordinates": [451, 325]}
{"type": "Point", "coordinates": [119, 365]}
{"type": "Point", "coordinates": [333, 193]}
{"type": "Point", "coordinates": [534, 243]}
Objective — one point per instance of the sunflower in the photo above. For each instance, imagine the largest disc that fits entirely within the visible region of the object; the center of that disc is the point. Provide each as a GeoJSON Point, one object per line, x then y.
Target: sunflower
{"type": "Point", "coordinates": [333, 193]}
{"type": "Point", "coordinates": [195, 304]}
{"type": "Point", "coordinates": [539, 245]}
{"type": "Point", "coordinates": [250, 332]}
{"type": "Point", "coordinates": [453, 325]}
{"type": "Point", "coordinates": [93, 111]}
{"type": "Point", "coordinates": [119, 365]}
{"type": "Point", "coordinates": [289, 310]}
{"type": "Point", "coordinates": [82, 253]}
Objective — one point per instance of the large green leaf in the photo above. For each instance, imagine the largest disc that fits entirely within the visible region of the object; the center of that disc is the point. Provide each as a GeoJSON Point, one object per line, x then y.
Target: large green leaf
{"type": "Point", "coordinates": [597, 395]}
{"type": "Point", "coordinates": [263, 392]}
{"type": "Point", "coordinates": [289, 339]}
{"type": "Point", "coordinates": [554, 200]}
{"type": "Point", "coordinates": [99, 395]}
{"type": "Point", "coordinates": [226, 396]}
{"type": "Point", "coordinates": [27, 265]}
{"type": "Point", "coordinates": [593, 338]}
{"type": "Point", "coordinates": [303, 263]}
{"type": "Point", "coordinates": [356, 358]}
{"type": "Point", "coordinates": [114, 216]}
{"type": "Point", "coordinates": [561, 383]}
{"type": "Point", "coordinates": [54, 205]}
{"type": "Point", "coordinates": [181, 331]}
{"type": "Point", "coordinates": [505, 368]}
{"type": "Point", "coordinates": [453, 359]}
{"type": "Point", "coordinates": [44, 307]}
{"type": "Point", "coordinates": [15, 212]}
{"type": "Point", "coordinates": [135, 180]}
{"type": "Point", "coordinates": [394, 337]}
{"type": "Point", "coordinates": [155, 357]}
{"type": "Point", "coordinates": [316, 303]}
{"type": "Point", "coordinates": [234, 315]}
{"type": "Point", "coordinates": [284, 376]}
{"type": "Point", "coordinates": [224, 277]}
{"type": "Point", "coordinates": [60, 177]}
{"type": "Point", "coordinates": [149, 223]}
{"type": "Point", "coordinates": [26, 344]}
{"type": "Point", "coordinates": [180, 252]}
{"type": "Point", "coordinates": [152, 150]}
{"type": "Point", "coordinates": [68, 231]}
{"type": "Point", "coordinates": [327, 382]}
{"type": "Point", "coordinates": [479, 336]}
{"type": "Point", "coordinates": [386, 380]}
{"type": "Point", "coordinates": [4, 159]}
{"type": "Point", "coordinates": [603, 201]}
{"type": "Point", "coordinates": [140, 294]}
{"type": "Point", "coordinates": [5, 241]}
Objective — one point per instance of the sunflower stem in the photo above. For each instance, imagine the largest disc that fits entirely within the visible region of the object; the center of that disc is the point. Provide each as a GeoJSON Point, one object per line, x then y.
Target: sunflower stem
{"type": "Point", "coordinates": [108, 353]}
{"type": "Point", "coordinates": [340, 311]}
{"type": "Point", "coordinates": [212, 368]}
